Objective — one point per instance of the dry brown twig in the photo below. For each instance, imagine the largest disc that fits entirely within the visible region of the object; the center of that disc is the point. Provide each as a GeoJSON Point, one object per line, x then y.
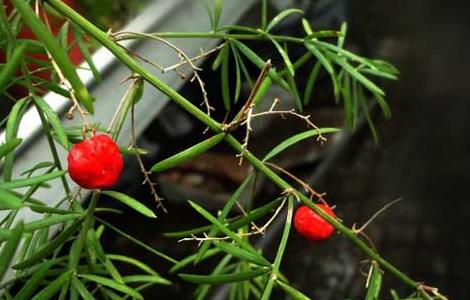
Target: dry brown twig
{"type": "Point", "coordinates": [375, 215]}
{"type": "Point", "coordinates": [147, 179]}
{"type": "Point", "coordinates": [305, 186]}
{"type": "Point", "coordinates": [256, 230]}
{"type": "Point", "coordinates": [182, 56]}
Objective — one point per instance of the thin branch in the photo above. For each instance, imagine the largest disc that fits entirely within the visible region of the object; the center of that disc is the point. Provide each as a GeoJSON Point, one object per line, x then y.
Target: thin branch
{"type": "Point", "coordinates": [375, 215]}
{"type": "Point", "coordinates": [304, 185]}
{"type": "Point", "coordinates": [181, 54]}
{"type": "Point", "coordinates": [147, 179]}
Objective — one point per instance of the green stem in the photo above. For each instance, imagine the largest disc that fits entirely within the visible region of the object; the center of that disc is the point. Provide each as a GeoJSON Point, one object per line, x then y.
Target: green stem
{"type": "Point", "coordinates": [212, 35]}
{"type": "Point", "coordinates": [258, 164]}
{"type": "Point", "coordinates": [105, 40]}
{"type": "Point", "coordinates": [76, 249]}
{"type": "Point", "coordinates": [122, 55]}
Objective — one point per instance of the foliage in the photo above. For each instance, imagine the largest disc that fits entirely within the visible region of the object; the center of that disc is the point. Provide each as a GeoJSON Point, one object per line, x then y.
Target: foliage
{"type": "Point", "coordinates": [72, 263]}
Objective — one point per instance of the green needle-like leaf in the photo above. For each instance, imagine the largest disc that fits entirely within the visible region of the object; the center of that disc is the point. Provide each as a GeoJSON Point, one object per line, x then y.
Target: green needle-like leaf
{"type": "Point", "coordinates": [7, 71]}
{"type": "Point", "coordinates": [54, 120]}
{"type": "Point", "coordinates": [295, 139]}
{"type": "Point", "coordinates": [34, 282]}
{"type": "Point", "coordinates": [242, 254]}
{"type": "Point", "coordinates": [312, 79]}
{"type": "Point", "coordinates": [224, 77]}
{"type": "Point", "coordinates": [112, 284]}
{"type": "Point", "coordinates": [294, 293]}
{"type": "Point", "coordinates": [374, 283]}
{"type": "Point", "coordinates": [9, 200]}
{"type": "Point", "coordinates": [50, 247]}
{"type": "Point", "coordinates": [53, 288]}
{"type": "Point", "coordinates": [9, 249]}
{"type": "Point", "coordinates": [31, 181]}
{"type": "Point", "coordinates": [188, 153]}
{"type": "Point", "coordinates": [9, 146]}
{"type": "Point", "coordinates": [50, 221]}
{"type": "Point", "coordinates": [281, 16]}
{"type": "Point", "coordinates": [131, 202]}
{"type": "Point", "coordinates": [224, 278]}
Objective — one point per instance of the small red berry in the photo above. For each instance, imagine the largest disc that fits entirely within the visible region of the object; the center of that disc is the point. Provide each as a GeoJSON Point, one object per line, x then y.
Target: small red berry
{"type": "Point", "coordinates": [310, 225]}
{"type": "Point", "coordinates": [95, 163]}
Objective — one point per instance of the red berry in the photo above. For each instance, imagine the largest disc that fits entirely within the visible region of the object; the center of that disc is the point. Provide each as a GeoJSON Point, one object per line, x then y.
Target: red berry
{"type": "Point", "coordinates": [310, 225]}
{"type": "Point", "coordinates": [95, 163]}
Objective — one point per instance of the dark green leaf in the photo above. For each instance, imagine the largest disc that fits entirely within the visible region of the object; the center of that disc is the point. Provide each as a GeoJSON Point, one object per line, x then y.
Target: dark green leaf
{"type": "Point", "coordinates": [146, 278]}
{"type": "Point", "coordinates": [284, 55]}
{"type": "Point", "coordinates": [112, 284]}
{"type": "Point", "coordinates": [191, 258]}
{"type": "Point", "coordinates": [238, 80]}
{"type": "Point", "coordinates": [188, 153]}
{"type": "Point", "coordinates": [30, 286]}
{"type": "Point", "coordinates": [224, 278]}
{"type": "Point", "coordinates": [79, 38]}
{"type": "Point", "coordinates": [131, 202]}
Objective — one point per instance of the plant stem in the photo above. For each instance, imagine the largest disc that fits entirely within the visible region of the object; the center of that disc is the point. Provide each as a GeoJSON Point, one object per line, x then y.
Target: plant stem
{"type": "Point", "coordinates": [76, 249]}
{"type": "Point", "coordinates": [213, 35]}
{"type": "Point", "coordinates": [125, 58]}
{"type": "Point", "coordinates": [105, 40]}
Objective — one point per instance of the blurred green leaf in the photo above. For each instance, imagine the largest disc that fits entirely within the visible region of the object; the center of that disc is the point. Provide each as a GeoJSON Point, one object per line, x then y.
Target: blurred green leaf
{"type": "Point", "coordinates": [11, 66]}
{"type": "Point", "coordinates": [203, 290]}
{"type": "Point", "coordinates": [38, 166]}
{"type": "Point", "coordinates": [326, 64]}
{"type": "Point", "coordinates": [281, 16]}
{"type": "Point", "coordinates": [131, 202]}
{"type": "Point", "coordinates": [9, 249]}
{"type": "Point", "coordinates": [9, 146]}
{"type": "Point", "coordinates": [191, 258]}
{"type": "Point", "coordinates": [14, 119]}
{"type": "Point", "coordinates": [31, 181]}
{"type": "Point", "coordinates": [9, 200]}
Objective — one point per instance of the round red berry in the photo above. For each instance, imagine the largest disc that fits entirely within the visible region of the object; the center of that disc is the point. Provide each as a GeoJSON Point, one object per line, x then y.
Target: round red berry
{"type": "Point", "coordinates": [310, 225]}
{"type": "Point", "coordinates": [95, 163]}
